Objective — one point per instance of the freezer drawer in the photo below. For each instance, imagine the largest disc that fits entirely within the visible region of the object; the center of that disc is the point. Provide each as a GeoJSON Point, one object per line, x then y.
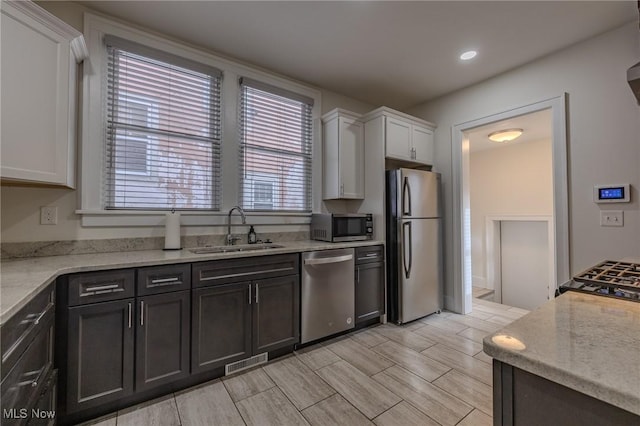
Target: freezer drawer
{"type": "Point", "coordinates": [328, 293]}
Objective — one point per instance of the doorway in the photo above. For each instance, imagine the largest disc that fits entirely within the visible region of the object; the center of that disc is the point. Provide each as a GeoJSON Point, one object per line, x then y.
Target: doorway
{"type": "Point", "coordinates": [462, 274]}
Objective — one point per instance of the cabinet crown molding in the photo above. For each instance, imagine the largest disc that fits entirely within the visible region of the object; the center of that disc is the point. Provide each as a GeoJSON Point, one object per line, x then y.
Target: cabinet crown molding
{"type": "Point", "coordinates": [35, 12]}
{"type": "Point", "coordinates": [339, 112]}
{"type": "Point", "coordinates": [386, 111]}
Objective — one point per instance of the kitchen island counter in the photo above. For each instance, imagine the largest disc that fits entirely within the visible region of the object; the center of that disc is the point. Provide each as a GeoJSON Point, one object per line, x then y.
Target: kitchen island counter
{"type": "Point", "coordinates": [23, 279]}
{"type": "Point", "coordinates": [586, 343]}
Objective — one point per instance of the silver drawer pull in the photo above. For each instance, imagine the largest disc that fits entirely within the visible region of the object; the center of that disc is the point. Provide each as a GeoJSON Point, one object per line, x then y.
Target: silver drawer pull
{"type": "Point", "coordinates": [245, 274]}
{"type": "Point", "coordinates": [43, 313]}
{"type": "Point", "coordinates": [371, 255]}
{"type": "Point", "coordinates": [165, 280]}
{"type": "Point", "coordinates": [102, 287]}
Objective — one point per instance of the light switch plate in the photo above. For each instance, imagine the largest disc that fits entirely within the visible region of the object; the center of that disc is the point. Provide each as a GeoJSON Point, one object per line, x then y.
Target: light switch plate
{"type": "Point", "coordinates": [611, 218]}
{"type": "Point", "coordinates": [48, 215]}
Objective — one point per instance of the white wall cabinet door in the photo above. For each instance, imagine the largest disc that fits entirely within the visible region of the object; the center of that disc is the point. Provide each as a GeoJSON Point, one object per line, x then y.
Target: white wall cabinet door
{"type": "Point", "coordinates": [343, 156]}
{"type": "Point", "coordinates": [398, 139]}
{"type": "Point", "coordinates": [422, 142]}
{"type": "Point", "coordinates": [39, 56]}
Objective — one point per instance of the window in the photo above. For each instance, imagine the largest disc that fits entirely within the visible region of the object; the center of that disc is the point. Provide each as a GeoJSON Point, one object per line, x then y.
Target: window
{"type": "Point", "coordinates": [162, 130]}
{"type": "Point", "coordinates": [275, 148]}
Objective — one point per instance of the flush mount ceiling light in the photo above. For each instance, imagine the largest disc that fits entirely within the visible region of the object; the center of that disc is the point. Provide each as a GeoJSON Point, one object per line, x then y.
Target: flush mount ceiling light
{"type": "Point", "coordinates": [505, 135]}
{"type": "Point", "coordinates": [469, 54]}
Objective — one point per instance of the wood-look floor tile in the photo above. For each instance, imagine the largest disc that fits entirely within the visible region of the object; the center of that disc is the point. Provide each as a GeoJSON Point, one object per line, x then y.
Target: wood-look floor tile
{"type": "Point", "coordinates": [445, 323]}
{"type": "Point", "coordinates": [244, 385]}
{"type": "Point", "coordinates": [473, 334]}
{"type": "Point", "coordinates": [489, 304]}
{"type": "Point", "coordinates": [301, 385]}
{"type": "Point", "coordinates": [270, 407]}
{"type": "Point", "coordinates": [413, 361]}
{"type": "Point", "coordinates": [160, 412]}
{"type": "Point", "coordinates": [441, 406]}
{"type": "Point", "coordinates": [208, 404]}
{"type": "Point", "coordinates": [316, 356]}
{"type": "Point", "coordinates": [477, 418]}
{"type": "Point", "coordinates": [514, 315]}
{"type": "Point", "coordinates": [464, 320]}
{"type": "Point", "coordinates": [476, 313]}
{"type": "Point", "coordinates": [468, 389]}
{"type": "Point", "coordinates": [369, 337]}
{"type": "Point", "coordinates": [361, 357]}
{"type": "Point", "coordinates": [367, 395]}
{"type": "Point", "coordinates": [404, 337]}
{"type": "Point", "coordinates": [464, 363]}
{"type": "Point", "coordinates": [403, 414]}
{"type": "Point", "coordinates": [450, 339]}
{"type": "Point", "coordinates": [518, 310]}
{"type": "Point", "coordinates": [335, 410]}
{"type": "Point", "coordinates": [108, 420]}
{"type": "Point", "coordinates": [499, 319]}
{"type": "Point", "coordinates": [484, 357]}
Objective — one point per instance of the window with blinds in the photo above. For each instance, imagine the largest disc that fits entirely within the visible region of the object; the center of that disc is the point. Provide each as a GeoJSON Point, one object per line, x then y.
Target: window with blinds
{"type": "Point", "coordinates": [162, 130]}
{"type": "Point", "coordinates": [275, 148]}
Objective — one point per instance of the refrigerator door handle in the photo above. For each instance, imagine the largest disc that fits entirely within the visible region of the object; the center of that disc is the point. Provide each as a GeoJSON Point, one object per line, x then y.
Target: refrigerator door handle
{"type": "Point", "coordinates": [407, 239]}
{"type": "Point", "coordinates": [406, 197]}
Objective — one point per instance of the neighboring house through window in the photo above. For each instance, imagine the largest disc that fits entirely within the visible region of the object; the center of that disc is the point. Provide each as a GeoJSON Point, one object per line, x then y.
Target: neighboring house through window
{"type": "Point", "coordinates": [163, 130]}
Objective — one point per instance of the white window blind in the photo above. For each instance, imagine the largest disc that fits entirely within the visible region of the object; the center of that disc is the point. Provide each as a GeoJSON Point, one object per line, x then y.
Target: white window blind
{"type": "Point", "coordinates": [275, 148]}
{"type": "Point", "coordinates": [162, 130]}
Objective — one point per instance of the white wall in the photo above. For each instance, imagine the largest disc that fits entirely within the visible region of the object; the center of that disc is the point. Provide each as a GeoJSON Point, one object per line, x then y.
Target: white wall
{"type": "Point", "coordinates": [19, 209]}
{"type": "Point", "coordinates": [603, 135]}
{"type": "Point", "coordinates": [513, 180]}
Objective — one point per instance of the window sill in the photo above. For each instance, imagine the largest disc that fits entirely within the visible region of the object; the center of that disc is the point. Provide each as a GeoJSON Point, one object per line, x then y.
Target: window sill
{"type": "Point", "coordinates": [120, 218]}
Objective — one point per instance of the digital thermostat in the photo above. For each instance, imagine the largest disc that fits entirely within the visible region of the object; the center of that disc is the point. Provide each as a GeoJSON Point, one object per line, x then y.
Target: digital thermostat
{"type": "Point", "coordinates": [612, 193]}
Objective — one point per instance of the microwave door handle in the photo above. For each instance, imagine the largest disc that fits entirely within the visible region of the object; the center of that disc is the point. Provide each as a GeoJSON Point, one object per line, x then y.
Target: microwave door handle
{"type": "Point", "coordinates": [406, 197]}
{"type": "Point", "coordinates": [406, 238]}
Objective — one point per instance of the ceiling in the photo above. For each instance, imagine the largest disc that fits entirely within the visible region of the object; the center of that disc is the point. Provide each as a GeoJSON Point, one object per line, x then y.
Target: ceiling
{"type": "Point", "coordinates": [535, 127]}
{"type": "Point", "coordinates": [392, 53]}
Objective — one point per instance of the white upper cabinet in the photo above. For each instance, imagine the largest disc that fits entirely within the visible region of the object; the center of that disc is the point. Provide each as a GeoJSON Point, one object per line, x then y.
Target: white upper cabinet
{"type": "Point", "coordinates": [406, 138]}
{"type": "Point", "coordinates": [343, 155]}
{"type": "Point", "coordinates": [39, 55]}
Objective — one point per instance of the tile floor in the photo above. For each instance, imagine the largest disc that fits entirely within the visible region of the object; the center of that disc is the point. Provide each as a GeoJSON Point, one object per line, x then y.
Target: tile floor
{"type": "Point", "coordinates": [429, 372]}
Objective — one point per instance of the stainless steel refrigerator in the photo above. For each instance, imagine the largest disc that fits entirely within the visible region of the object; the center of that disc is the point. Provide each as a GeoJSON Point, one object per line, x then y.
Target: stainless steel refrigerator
{"type": "Point", "coordinates": [414, 244]}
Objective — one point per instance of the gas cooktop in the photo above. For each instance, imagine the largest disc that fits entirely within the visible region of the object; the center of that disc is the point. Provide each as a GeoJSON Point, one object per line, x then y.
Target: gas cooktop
{"type": "Point", "coordinates": [609, 278]}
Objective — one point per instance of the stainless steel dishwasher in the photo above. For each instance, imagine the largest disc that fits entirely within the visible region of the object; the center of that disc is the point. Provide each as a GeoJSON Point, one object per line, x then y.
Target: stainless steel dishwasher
{"type": "Point", "coordinates": [328, 293]}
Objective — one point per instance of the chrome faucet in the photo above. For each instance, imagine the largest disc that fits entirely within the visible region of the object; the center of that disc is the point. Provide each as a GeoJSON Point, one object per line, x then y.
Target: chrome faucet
{"type": "Point", "coordinates": [230, 239]}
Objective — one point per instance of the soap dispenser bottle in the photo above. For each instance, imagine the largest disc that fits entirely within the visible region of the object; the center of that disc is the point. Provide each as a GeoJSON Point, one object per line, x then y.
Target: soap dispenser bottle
{"type": "Point", "coordinates": [252, 238]}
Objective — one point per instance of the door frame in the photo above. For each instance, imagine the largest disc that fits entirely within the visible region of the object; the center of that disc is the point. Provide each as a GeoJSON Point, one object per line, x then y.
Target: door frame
{"type": "Point", "coordinates": [493, 248]}
{"type": "Point", "coordinates": [462, 274]}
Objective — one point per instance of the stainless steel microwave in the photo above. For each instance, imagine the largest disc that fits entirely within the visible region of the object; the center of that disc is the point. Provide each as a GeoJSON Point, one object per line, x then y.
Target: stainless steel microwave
{"type": "Point", "coordinates": [337, 228]}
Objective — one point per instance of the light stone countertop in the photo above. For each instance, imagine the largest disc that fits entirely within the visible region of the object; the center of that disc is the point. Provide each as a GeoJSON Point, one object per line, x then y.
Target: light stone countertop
{"type": "Point", "coordinates": [23, 279]}
{"type": "Point", "coordinates": [587, 343]}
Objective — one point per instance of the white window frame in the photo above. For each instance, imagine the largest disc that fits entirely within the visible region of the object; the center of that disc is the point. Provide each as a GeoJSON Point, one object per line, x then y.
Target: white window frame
{"type": "Point", "coordinates": [92, 138]}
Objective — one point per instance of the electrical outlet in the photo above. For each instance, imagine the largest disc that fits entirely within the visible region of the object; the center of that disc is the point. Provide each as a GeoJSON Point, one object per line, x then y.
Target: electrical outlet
{"type": "Point", "coordinates": [611, 218]}
{"type": "Point", "coordinates": [48, 215]}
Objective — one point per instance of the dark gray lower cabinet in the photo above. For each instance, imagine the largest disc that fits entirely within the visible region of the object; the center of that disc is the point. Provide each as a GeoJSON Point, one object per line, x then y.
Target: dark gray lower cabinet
{"type": "Point", "coordinates": [369, 282]}
{"type": "Point", "coordinates": [275, 313]}
{"type": "Point", "coordinates": [221, 325]}
{"type": "Point", "coordinates": [100, 353]}
{"type": "Point", "coordinates": [162, 340]}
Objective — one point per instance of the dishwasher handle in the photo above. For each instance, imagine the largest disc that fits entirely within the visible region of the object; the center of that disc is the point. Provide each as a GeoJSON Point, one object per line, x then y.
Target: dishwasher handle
{"type": "Point", "coordinates": [326, 260]}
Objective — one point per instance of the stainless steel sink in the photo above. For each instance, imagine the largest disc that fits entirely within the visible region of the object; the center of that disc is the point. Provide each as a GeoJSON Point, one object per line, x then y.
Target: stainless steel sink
{"type": "Point", "coordinates": [234, 249]}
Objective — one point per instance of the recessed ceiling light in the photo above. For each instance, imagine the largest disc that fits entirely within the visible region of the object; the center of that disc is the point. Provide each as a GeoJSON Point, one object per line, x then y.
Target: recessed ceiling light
{"type": "Point", "coordinates": [505, 135]}
{"type": "Point", "coordinates": [469, 54]}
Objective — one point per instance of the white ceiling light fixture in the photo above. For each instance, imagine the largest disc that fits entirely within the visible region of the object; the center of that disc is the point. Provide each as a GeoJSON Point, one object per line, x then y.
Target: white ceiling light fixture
{"type": "Point", "coordinates": [505, 135]}
{"type": "Point", "coordinates": [468, 55]}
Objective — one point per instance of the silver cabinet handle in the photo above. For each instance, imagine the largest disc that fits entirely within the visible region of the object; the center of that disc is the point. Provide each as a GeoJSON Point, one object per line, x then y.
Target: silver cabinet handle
{"type": "Point", "coordinates": [249, 293]}
{"type": "Point", "coordinates": [130, 314]}
{"type": "Point", "coordinates": [257, 290]}
{"type": "Point", "coordinates": [325, 260]}
{"type": "Point", "coordinates": [102, 287]}
{"type": "Point", "coordinates": [142, 313]}
{"type": "Point", "coordinates": [43, 313]}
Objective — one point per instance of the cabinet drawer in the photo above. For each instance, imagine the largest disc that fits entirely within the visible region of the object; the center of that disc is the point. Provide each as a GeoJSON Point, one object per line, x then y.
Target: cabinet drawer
{"type": "Point", "coordinates": [101, 286]}
{"type": "Point", "coordinates": [369, 254]}
{"type": "Point", "coordinates": [243, 269]}
{"type": "Point", "coordinates": [45, 406]}
{"type": "Point", "coordinates": [25, 382]}
{"type": "Point", "coordinates": [21, 329]}
{"type": "Point", "coordinates": [163, 279]}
